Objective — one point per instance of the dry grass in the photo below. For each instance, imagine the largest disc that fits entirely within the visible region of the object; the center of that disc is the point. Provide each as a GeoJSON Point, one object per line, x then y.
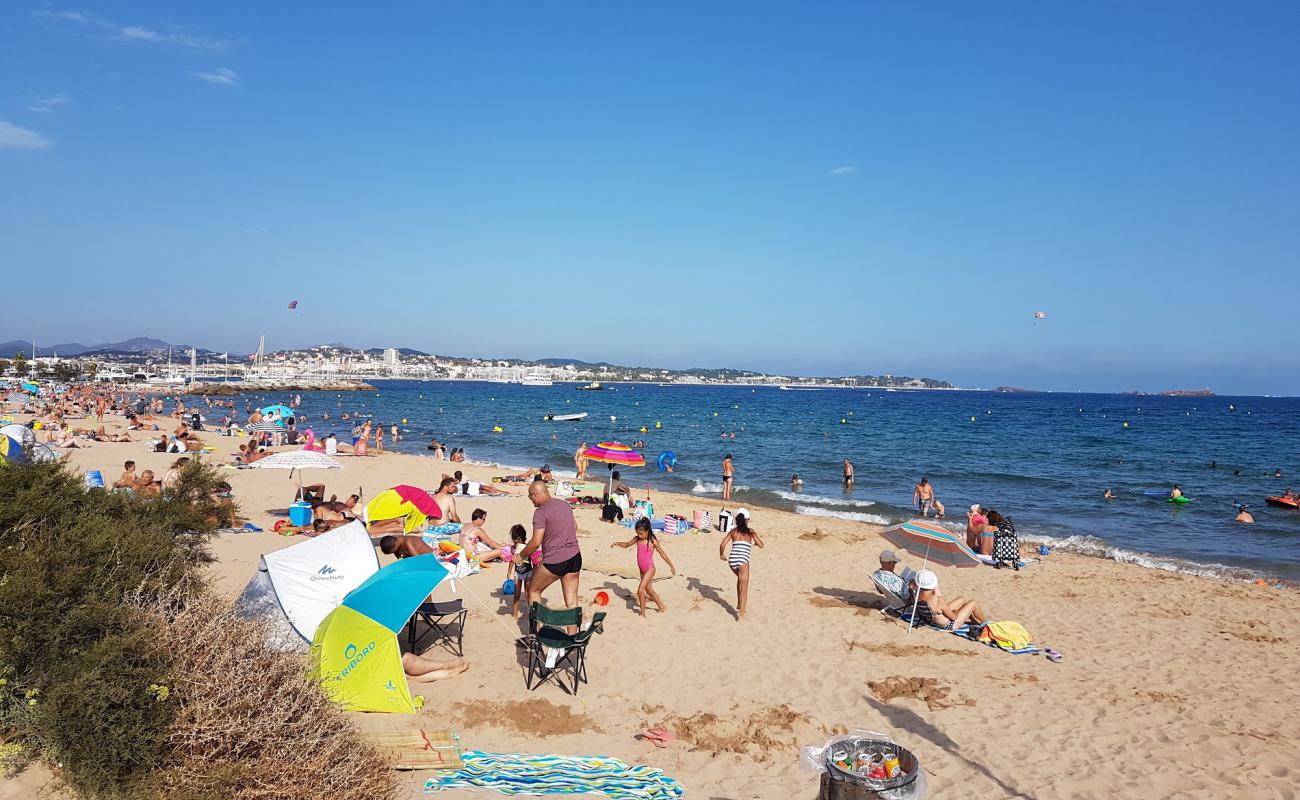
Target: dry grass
{"type": "Point", "coordinates": [248, 722]}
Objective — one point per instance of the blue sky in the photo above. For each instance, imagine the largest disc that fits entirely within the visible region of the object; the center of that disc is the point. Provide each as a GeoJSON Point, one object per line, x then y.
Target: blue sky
{"type": "Point", "coordinates": [820, 188]}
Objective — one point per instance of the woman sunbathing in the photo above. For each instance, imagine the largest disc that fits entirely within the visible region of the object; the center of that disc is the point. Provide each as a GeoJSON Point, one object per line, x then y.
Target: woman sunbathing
{"type": "Point", "coordinates": [103, 436]}
{"type": "Point", "coordinates": [932, 609]}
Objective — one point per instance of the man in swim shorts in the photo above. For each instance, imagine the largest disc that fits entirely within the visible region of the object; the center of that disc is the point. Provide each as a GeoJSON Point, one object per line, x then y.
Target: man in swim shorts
{"type": "Point", "coordinates": [555, 534]}
{"type": "Point", "coordinates": [848, 474]}
{"type": "Point", "coordinates": [923, 496]}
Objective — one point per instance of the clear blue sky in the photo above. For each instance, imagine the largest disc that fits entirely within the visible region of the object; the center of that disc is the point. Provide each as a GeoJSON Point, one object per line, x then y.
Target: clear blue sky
{"type": "Point", "coordinates": [816, 188]}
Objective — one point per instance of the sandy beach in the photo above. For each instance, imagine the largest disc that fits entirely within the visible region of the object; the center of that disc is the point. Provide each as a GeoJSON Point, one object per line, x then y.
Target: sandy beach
{"type": "Point", "coordinates": [1171, 685]}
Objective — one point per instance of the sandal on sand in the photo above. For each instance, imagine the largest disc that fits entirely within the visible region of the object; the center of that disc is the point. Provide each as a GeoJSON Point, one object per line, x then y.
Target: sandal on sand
{"type": "Point", "coordinates": [659, 737]}
{"type": "Point", "coordinates": [1053, 656]}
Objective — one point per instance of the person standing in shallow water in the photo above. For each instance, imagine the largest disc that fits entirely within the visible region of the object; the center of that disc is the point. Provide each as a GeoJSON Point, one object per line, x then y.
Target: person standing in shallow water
{"type": "Point", "coordinates": [728, 476]}
{"type": "Point", "coordinates": [848, 474]}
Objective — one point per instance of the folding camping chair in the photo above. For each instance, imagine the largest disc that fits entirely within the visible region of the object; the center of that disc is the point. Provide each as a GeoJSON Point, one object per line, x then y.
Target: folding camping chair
{"type": "Point", "coordinates": [894, 604]}
{"type": "Point", "coordinates": [548, 625]}
{"type": "Point", "coordinates": [439, 619]}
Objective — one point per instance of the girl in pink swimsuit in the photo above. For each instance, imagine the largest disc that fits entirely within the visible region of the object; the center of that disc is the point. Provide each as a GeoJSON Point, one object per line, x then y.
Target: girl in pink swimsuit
{"type": "Point", "coordinates": [646, 547]}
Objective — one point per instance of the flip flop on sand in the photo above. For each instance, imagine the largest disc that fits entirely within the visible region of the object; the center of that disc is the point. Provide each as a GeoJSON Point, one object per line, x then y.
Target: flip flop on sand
{"type": "Point", "coordinates": [1053, 656]}
{"type": "Point", "coordinates": [659, 737]}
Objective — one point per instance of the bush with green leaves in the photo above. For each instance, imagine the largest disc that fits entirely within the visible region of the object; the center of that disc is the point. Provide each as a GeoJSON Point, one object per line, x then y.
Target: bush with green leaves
{"type": "Point", "coordinates": [96, 596]}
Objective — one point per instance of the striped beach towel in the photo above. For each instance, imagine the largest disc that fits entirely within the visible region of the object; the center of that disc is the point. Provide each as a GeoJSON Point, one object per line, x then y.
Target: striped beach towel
{"type": "Point", "coordinates": [518, 774]}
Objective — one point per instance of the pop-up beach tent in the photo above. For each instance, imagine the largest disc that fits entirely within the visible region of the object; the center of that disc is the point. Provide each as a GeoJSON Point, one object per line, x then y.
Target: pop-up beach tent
{"type": "Point", "coordinates": [299, 586]}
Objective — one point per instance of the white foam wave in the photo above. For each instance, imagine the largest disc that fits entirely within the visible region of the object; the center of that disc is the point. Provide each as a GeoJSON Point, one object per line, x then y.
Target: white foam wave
{"type": "Point", "coordinates": [853, 516]}
{"type": "Point", "coordinates": [1097, 548]}
{"type": "Point", "coordinates": [818, 500]}
{"type": "Point", "coordinates": [709, 487]}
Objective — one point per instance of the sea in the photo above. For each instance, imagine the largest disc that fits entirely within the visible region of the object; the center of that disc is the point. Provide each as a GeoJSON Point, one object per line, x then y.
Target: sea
{"type": "Point", "coordinates": [1043, 459]}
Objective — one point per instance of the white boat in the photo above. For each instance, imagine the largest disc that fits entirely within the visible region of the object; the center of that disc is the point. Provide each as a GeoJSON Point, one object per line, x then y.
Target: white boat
{"type": "Point", "coordinates": [803, 388]}
{"type": "Point", "coordinates": [535, 381]}
{"type": "Point", "coordinates": [565, 417]}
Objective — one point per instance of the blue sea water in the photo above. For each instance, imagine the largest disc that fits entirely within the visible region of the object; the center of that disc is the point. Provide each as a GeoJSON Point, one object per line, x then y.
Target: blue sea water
{"type": "Point", "coordinates": [1042, 459]}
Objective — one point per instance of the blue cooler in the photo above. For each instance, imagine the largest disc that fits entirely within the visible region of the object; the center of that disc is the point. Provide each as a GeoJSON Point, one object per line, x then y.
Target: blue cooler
{"type": "Point", "coordinates": [300, 514]}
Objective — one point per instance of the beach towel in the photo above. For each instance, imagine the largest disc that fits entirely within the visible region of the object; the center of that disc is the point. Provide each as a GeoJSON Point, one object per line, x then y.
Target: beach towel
{"type": "Point", "coordinates": [517, 774]}
{"type": "Point", "coordinates": [964, 632]}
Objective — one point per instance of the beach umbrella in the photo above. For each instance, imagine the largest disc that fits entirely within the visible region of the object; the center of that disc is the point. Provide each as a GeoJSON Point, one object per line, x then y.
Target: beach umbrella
{"type": "Point", "coordinates": [355, 653]}
{"type": "Point", "coordinates": [297, 460]}
{"type": "Point", "coordinates": [612, 453]}
{"type": "Point", "coordinates": [934, 543]}
{"type": "Point", "coordinates": [11, 451]}
{"type": "Point", "coordinates": [278, 411]}
{"type": "Point", "coordinates": [408, 502]}
{"type": "Point", "coordinates": [43, 452]}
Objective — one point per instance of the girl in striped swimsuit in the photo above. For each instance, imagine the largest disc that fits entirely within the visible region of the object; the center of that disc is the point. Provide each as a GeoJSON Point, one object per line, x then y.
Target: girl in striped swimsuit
{"type": "Point", "coordinates": [742, 540]}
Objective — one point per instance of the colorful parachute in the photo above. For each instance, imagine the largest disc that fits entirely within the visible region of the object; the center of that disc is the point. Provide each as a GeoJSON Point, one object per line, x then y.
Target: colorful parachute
{"type": "Point", "coordinates": [293, 304]}
{"type": "Point", "coordinates": [1040, 315]}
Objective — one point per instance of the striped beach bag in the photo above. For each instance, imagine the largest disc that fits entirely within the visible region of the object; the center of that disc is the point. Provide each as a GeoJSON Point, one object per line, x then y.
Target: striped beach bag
{"type": "Point", "coordinates": [704, 520]}
{"type": "Point", "coordinates": [675, 525]}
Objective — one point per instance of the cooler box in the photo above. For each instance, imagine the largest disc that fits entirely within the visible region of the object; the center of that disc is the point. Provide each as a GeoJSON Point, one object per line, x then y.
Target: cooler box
{"type": "Point", "coordinates": [724, 521]}
{"type": "Point", "coordinates": [300, 514]}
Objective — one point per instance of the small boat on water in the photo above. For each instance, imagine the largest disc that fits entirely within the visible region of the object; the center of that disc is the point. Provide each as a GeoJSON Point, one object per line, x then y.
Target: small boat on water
{"type": "Point", "coordinates": [594, 386]}
{"type": "Point", "coordinates": [565, 417]}
{"type": "Point", "coordinates": [1292, 503]}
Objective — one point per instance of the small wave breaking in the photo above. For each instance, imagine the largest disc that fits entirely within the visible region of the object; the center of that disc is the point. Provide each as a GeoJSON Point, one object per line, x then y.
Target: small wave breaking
{"type": "Point", "coordinates": [852, 516]}
{"type": "Point", "coordinates": [818, 500]}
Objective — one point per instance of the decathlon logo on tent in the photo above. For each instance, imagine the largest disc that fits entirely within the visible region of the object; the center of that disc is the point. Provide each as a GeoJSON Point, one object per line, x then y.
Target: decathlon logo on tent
{"type": "Point", "coordinates": [327, 573]}
{"type": "Point", "coordinates": [355, 656]}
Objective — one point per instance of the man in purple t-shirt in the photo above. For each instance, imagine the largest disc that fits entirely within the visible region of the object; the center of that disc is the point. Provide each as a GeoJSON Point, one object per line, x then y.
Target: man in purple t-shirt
{"type": "Point", "coordinates": [555, 533]}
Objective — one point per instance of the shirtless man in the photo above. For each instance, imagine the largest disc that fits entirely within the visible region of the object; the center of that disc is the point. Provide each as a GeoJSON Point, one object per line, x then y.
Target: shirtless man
{"type": "Point", "coordinates": [128, 479]}
{"type": "Point", "coordinates": [445, 497]}
{"type": "Point", "coordinates": [147, 485]}
{"type": "Point", "coordinates": [580, 460]}
{"type": "Point", "coordinates": [923, 496]}
{"type": "Point", "coordinates": [404, 546]}
{"type": "Point", "coordinates": [473, 533]}
{"type": "Point", "coordinates": [848, 474]}
{"type": "Point", "coordinates": [1245, 516]}
{"type": "Point", "coordinates": [728, 476]}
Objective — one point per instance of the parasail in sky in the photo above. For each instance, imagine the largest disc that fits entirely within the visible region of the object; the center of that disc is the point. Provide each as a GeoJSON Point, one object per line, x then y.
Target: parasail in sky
{"type": "Point", "coordinates": [293, 304]}
{"type": "Point", "coordinates": [1040, 315]}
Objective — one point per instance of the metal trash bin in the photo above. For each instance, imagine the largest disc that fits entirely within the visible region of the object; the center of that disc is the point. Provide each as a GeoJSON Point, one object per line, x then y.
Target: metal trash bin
{"type": "Point", "coordinates": [838, 783]}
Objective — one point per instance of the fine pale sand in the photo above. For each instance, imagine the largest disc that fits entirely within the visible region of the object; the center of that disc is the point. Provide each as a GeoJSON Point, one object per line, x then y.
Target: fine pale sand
{"type": "Point", "coordinates": [1171, 686]}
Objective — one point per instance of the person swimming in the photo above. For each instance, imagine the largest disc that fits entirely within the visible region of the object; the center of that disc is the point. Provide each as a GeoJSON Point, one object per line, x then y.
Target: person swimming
{"type": "Point", "coordinates": [1109, 495]}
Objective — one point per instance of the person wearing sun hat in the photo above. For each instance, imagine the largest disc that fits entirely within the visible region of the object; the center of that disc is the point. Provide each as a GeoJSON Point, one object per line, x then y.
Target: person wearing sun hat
{"type": "Point", "coordinates": [886, 576]}
{"type": "Point", "coordinates": [933, 610]}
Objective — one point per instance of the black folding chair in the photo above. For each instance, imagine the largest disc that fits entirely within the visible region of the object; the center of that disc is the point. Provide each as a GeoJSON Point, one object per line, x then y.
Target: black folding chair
{"type": "Point", "coordinates": [445, 620]}
{"type": "Point", "coordinates": [548, 625]}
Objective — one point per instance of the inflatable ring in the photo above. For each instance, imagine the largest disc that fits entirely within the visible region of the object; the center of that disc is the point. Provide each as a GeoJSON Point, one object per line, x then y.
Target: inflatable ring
{"type": "Point", "coordinates": [667, 460]}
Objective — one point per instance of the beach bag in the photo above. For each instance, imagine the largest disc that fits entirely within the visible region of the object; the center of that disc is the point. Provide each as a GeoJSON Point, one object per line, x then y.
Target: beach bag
{"type": "Point", "coordinates": [1008, 634]}
{"type": "Point", "coordinates": [675, 525]}
{"type": "Point", "coordinates": [643, 508]}
{"type": "Point", "coordinates": [611, 512]}
{"type": "Point", "coordinates": [1006, 548]}
{"type": "Point", "coordinates": [704, 520]}
{"type": "Point", "coordinates": [724, 521]}
{"type": "Point", "coordinates": [564, 489]}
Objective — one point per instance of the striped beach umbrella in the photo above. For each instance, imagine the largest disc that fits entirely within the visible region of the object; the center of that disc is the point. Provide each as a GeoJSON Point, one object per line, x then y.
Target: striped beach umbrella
{"type": "Point", "coordinates": [355, 653]}
{"type": "Point", "coordinates": [614, 453]}
{"type": "Point", "coordinates": [932, 542]}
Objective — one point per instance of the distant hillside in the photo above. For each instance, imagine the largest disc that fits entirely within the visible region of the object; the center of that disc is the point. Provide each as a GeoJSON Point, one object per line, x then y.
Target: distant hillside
{"type": "Point", "coordinates": [406, 351]}
{"type": "Point", "coordinates": [139, 344]}
{"type": "Point", "coordinates": [566, 362]}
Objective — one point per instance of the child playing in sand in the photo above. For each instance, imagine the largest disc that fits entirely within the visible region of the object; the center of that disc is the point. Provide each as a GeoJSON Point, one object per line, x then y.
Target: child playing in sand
{"type": "Point", "coordinates": [647, 544]}
{"type": "Point", "coordinates": [741, 540]}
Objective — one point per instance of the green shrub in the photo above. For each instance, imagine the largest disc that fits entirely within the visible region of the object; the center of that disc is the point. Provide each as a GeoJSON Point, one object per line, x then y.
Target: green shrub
{"type": "Point", "coordinates": [76, 658]}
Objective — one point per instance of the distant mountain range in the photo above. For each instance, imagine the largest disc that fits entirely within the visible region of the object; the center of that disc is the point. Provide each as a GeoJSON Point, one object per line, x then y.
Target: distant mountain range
{"type": "Point", "coordinates": [140, 344]}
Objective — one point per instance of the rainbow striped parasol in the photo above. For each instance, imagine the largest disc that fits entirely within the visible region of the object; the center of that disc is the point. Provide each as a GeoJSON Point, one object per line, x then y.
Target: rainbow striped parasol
{"type": "Point", "coordinates": [615, 453]}
{"type": "Point", "coordinates": [934, 543]}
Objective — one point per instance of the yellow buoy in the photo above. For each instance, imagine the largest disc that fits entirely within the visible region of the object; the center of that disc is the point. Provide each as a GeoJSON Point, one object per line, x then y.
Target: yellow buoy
{"type": "Point", "coordinates": [843, 421]}
{"type": "Point", "coordinates": [1125, 424]}
{"type": "Point", "coordinates": [403, 420]}
{"type": "Point", "coordinates": [643, 429]}
{"type": "Point", "coordinates": [498, 429]}
{"type": "Point", "coordinates": [659, 425]}
{"type": "Point", "coordinates": [972, 419]}
{"type": "Point", "coordinates": [715, 413]}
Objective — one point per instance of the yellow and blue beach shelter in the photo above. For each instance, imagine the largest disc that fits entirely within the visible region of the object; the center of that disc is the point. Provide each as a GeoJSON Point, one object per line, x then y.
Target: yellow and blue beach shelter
{"type": "Point", "coordinates": [355, 653]}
